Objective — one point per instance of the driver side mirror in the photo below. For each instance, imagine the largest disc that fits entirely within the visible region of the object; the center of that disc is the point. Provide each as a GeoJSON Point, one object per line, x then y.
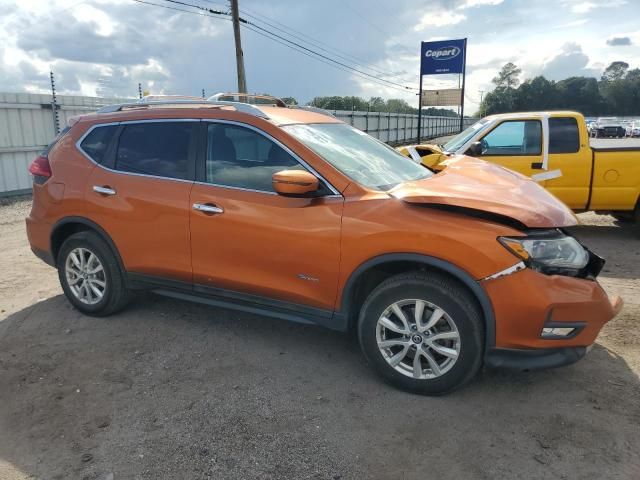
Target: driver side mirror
{"type": "Point", "coordinates": [475, 149]}
{"type": "Point", "coordinates": [294, 182]}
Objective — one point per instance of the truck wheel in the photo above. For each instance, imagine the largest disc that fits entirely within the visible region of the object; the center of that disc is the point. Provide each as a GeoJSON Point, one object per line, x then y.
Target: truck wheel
{"type": "Point", "coordinates": [422, 332]}
{"type": "Point", "coordinates": [90, 275]}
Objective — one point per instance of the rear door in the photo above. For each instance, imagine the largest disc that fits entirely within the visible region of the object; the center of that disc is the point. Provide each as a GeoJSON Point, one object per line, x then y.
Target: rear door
{"type": "Point", "coordinates": [139, 193]}
{"type": "Point", "coordinates": [248, 239]}
{"type": "Point", "coordinates": [515, 144]}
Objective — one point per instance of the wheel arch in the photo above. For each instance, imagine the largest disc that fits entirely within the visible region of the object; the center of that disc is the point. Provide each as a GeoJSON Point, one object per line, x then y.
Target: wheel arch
{"type": "Point", "coordinates": [394, 263]}
{"type": "Point", "coordinates": [67, 226]}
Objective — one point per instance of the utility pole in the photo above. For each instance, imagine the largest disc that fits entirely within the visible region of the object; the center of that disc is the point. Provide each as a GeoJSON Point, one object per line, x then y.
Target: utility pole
{"type": "Point", "coordinates": [481, 96]}
{"type": "Point", "coordinates": [242, 81]}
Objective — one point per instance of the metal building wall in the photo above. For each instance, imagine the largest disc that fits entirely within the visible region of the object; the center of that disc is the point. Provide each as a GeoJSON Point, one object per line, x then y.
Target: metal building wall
{"type": "Point", "coordinates": [401, 128]}
{"type": "Point", "coordinates": [27, 127]}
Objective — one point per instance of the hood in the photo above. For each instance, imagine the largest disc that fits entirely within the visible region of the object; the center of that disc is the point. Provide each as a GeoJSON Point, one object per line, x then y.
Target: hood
{"type": "Point", "coordinates": [478, 185]}
{"type": "Point", "coordinates": [429, 147]}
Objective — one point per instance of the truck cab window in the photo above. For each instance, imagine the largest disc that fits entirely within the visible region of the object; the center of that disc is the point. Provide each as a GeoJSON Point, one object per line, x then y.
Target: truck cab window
{"type": "Point", "coordinates": [520, 137]}
{"type": "Point", "coordinates": [563, 135]}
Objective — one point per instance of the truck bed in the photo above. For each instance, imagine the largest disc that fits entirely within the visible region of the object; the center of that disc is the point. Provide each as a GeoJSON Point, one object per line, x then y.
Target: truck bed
{"type": "Point", "coordinates": [615, 144]}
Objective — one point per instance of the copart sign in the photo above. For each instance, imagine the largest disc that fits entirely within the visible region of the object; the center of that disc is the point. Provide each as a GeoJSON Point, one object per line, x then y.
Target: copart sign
{"type": "Point", "coordinates": [446, 56]}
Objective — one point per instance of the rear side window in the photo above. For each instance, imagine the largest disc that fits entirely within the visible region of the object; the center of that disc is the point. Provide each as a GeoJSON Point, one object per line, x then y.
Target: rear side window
{"type": "Point", "coordinates": [96, 143]}
{"type": "Point", "coordinates": [563, 135]}
{"type": "Point", "coordinates": [239, 157]}
{"type": "Point", "coordinates": [159, 149]}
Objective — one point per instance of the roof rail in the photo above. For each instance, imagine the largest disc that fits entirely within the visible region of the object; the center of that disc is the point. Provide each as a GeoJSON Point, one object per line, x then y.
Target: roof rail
{"type": "Point", "coordinates": [167, 98]}
{"type": "Point", "coordinates": [247, 97]}
{"type": "Point", "coordinates": [240, 107]}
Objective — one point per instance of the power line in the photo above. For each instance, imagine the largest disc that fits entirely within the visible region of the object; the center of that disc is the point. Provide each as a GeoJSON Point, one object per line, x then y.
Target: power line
{"type": "Point", "coordinates": [182, 10]}
{"type": "Point", "coordinates": [55, 13]}
{"type": "Point", "coordinates": [291, 44]}
{"type": "Point", "coordinates": [364, 17]}
{"type": "Point", "coordinates": [311, 56]}
{"type": "Point", "coordinates": [311, 40]}
{"type": "Point", "coordinates": [319, 45]}
{"type": "Point", "coordinates": [331, 59]}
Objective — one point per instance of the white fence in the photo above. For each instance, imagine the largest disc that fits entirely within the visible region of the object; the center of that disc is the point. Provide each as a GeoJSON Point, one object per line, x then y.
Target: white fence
{"type": "Point", "coordinates": [27, 126]}
{"type": "Point", "coordinates": [401, 128]}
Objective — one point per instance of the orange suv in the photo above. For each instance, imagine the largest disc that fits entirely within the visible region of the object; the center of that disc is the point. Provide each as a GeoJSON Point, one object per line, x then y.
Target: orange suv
{"type": "Point", "coordinates": [291, 213]}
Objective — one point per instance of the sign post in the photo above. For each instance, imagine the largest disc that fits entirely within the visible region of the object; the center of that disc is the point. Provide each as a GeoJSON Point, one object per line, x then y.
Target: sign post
{"type": "Point", "coordinates": [440, 58]}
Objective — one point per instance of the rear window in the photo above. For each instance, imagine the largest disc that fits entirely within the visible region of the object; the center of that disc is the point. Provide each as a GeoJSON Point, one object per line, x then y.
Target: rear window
{"type": "Point", "coordinates": [95, 144]}
{"type": "Point", "coordinates": [563, 135]}
{"type": "Point", "coordinates": [159, 149]}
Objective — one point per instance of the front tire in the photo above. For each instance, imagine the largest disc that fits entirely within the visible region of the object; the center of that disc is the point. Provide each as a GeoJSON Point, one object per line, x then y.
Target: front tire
{"type": "Point", "coordinates": [90, 275]}
{"type": "Point", "coordinates": [422, 332]}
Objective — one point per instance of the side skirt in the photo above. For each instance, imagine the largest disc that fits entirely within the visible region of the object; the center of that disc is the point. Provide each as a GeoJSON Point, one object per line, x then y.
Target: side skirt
{"type": "Point", "coordinates": [244, 302]}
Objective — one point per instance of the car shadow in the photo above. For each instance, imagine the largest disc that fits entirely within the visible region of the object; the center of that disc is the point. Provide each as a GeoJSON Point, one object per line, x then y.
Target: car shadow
{"type": "Point", "coordinates": [169, 389]}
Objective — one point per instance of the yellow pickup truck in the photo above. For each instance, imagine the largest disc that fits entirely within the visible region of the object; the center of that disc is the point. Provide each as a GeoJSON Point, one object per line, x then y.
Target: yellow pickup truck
{"type": "Point", "coordinates": [552, 148]}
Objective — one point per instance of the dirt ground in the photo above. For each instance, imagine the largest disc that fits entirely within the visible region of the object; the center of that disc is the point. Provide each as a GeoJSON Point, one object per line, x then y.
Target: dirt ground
{"type": "Point", "coordinates": [168, 389]}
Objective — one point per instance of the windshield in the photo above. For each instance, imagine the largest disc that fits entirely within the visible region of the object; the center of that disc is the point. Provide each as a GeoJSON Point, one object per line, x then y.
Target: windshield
{"type": "Point", "coordinates": [463, 137]}
{"type": "Point", "coordinates": [359, 156]}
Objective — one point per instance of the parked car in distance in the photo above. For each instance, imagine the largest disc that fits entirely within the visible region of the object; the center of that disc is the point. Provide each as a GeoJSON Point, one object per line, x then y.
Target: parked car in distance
{"type": "Point", "coordinates": [608, 127]}
{"type": "Point", "coordinates": [633, 129]}
{"type": "Point", "coordinates": [294, 214]}
{"type": "Point", "coordinates": [552, 148]}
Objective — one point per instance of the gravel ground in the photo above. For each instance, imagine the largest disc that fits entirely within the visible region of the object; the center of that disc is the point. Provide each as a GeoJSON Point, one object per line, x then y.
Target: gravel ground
{"type": "Point", "coordinates": [168, 389]}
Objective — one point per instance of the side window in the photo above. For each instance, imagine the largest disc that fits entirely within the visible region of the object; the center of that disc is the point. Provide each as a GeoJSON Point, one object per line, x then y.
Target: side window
{"type": "Point", "coordinates": [239, 157]}
{"type": "Point", "coordinates": [563, 135]}
{"type": "Point", "coordinates": [160, 149]}
{"type": "Point", "coordinates": [521, 137]}
{"type": "Point", "coordinates": [95, 144]}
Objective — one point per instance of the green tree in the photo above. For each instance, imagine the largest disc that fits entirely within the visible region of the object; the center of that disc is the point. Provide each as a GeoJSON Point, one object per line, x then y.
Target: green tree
{"type": "Point", "coordinates": [581, 94]}
{"type": "Point", "coordinates": [535, 94]}
{"type": "Point", "coordinates": [289, 100]}
{"type": "Point", "coordinates": [508, 76]}
{"type": "Point", "coordinates": [615, 71]}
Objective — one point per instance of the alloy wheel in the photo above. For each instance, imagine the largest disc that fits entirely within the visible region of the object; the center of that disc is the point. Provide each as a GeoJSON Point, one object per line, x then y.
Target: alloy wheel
{"type": "Point", "coordinates": [418, 339]}
{"type": "Point", "coordinates": [85, 276]}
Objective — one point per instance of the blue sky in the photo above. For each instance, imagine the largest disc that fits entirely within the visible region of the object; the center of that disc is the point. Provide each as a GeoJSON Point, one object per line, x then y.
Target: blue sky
{"type": "Point", "coordinates": [100, 46]}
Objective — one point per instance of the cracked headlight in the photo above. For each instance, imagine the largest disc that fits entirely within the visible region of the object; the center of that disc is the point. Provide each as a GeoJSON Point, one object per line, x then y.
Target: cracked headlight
{"type": "Point", "coordinates": [554, 253]}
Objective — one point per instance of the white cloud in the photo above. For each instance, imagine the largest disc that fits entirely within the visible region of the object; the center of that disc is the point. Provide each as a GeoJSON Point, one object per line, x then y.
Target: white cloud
{"type": "Point", "coordinates": [583, 7]}
{"type": "Point", "coordinates": [580, 6]}
{"type": "Point", "coordinates": [437, 19]}
{"type": "Point", "coordinates": [89, 14]}
{"type": "Point", "coordinates": [574, 23]}
{"type": "Point", "coordinates": [479, 3]}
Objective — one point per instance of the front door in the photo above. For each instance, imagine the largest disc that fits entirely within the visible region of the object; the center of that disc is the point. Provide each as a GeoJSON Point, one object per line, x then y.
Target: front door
{"type": "Point", "coordinates": [248, 239]}
{"type": "Point", "coordinates": [515, 144]}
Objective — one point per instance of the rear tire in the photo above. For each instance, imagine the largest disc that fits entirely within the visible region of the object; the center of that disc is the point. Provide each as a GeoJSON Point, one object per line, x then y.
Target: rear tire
{"type": "Point", "coordinates": [90, 275]}
{"type": "Point", "coordinates": [442, 325]}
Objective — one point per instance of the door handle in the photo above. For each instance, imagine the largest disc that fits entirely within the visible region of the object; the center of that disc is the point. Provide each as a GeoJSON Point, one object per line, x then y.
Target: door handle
{"type": "Point", "coordinates": [104, 190]}
{"type": "Point", "coordinates": [207, 208]}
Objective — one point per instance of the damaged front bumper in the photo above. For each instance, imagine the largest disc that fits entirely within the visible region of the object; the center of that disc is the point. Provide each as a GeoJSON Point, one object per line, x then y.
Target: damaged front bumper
{"type": "Point", "coordinates": [545, 321]}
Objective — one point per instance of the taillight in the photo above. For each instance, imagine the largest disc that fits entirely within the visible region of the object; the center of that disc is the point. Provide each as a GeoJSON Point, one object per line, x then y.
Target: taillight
{"type": "Point", "coordinates": [40, 167]}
